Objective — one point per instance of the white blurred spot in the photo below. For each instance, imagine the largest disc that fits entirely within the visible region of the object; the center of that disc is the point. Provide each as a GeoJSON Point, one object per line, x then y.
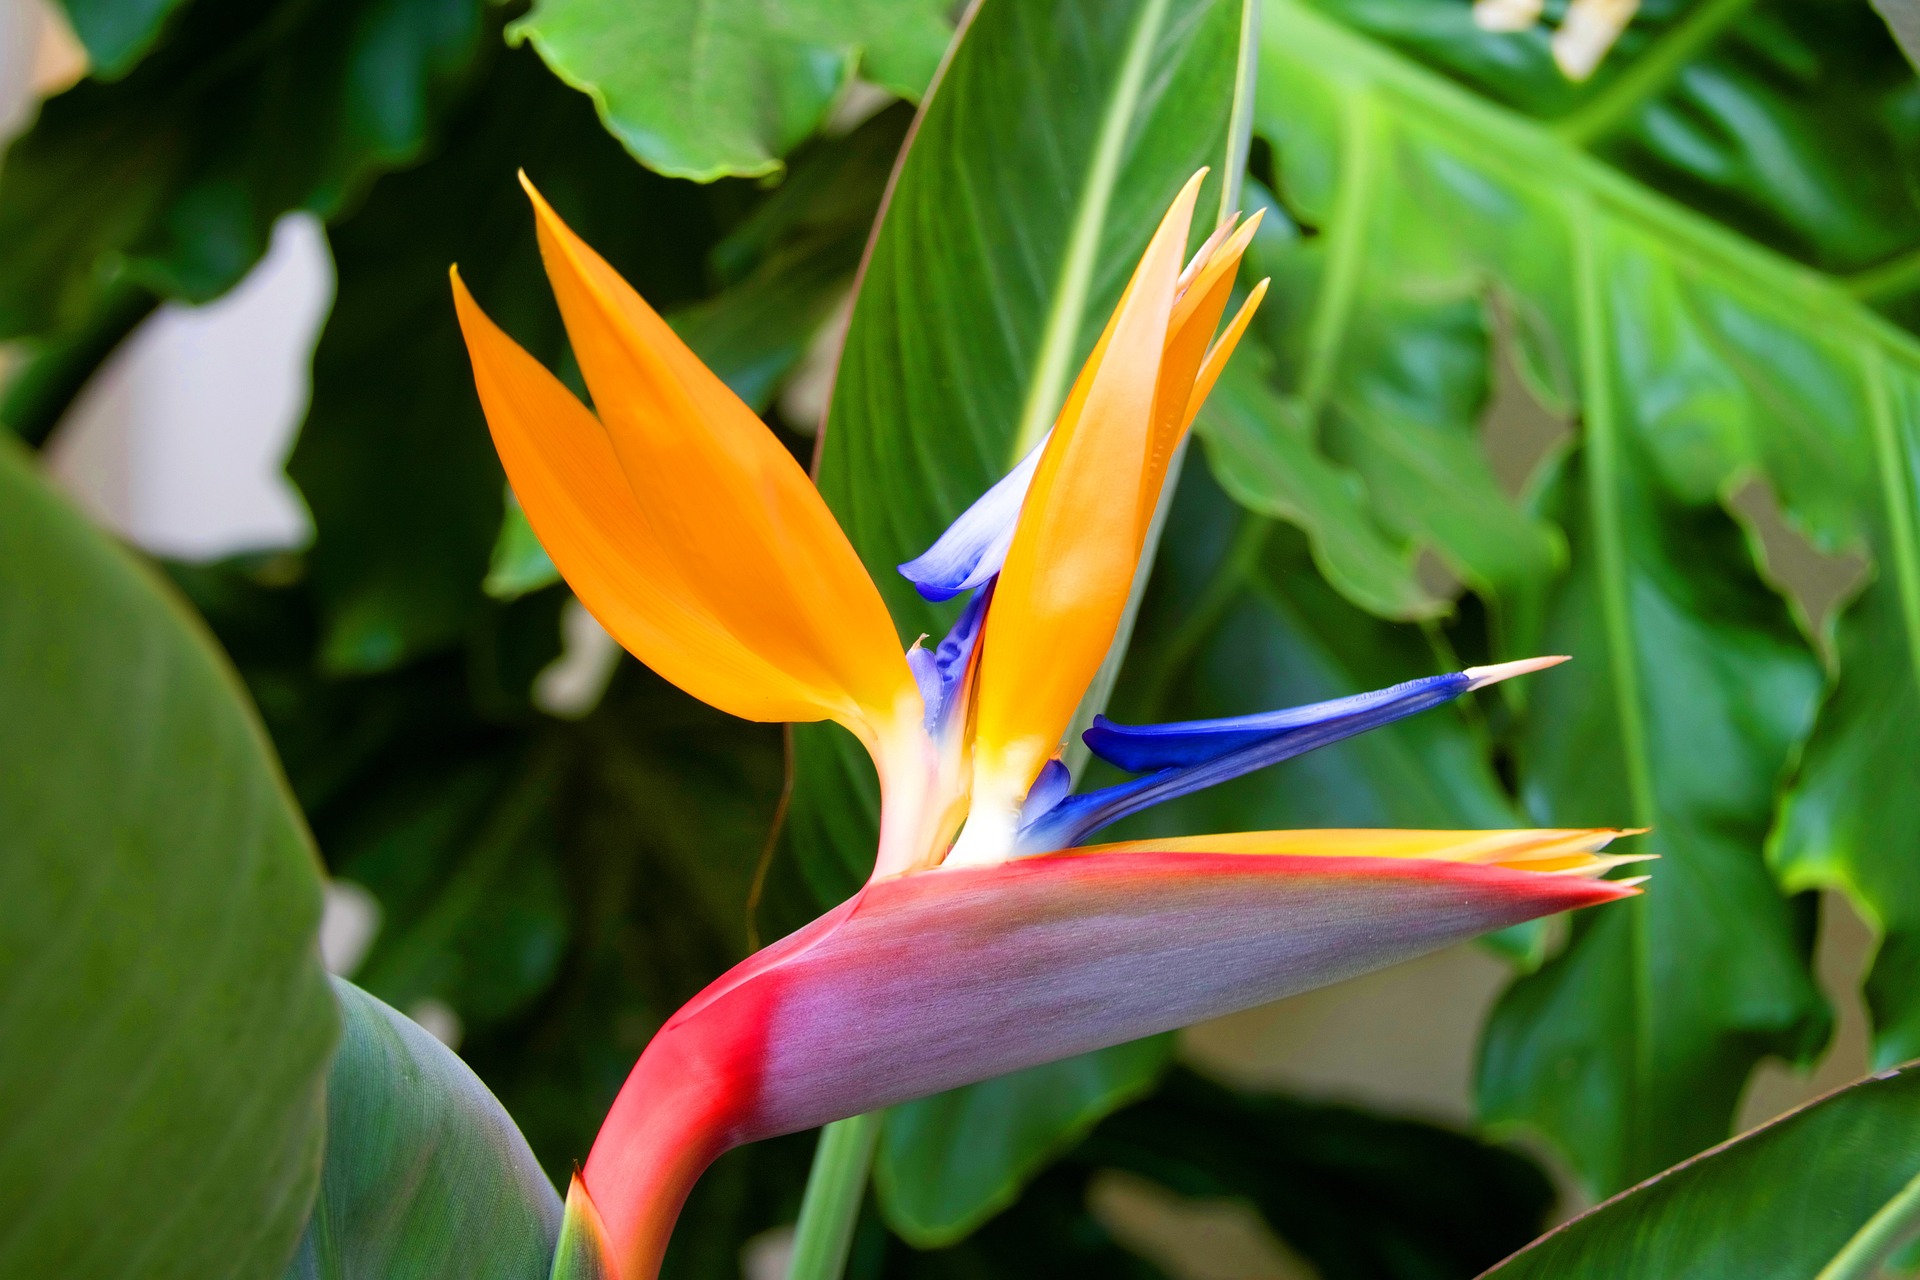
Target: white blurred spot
{"type": "Point", "coordinates": [1587, 32]}
{"type": "Point", "coordinates": [180, 440]}
{"type": "Point", "coordinates": [39, 57]}
{"type": "Point", "coordinates": [1190, 1239]}
{"type": "Point", "coordinates": [348, 924]}
{"type": "Point", "coordinates": [859, 102]}
{"type": "Point", "coordinates": [803, 401]}
{"type": "Point", "coordinates": [572, 683]}
{"type": "Point", "coordinates": [768, 1256]}
{"type": "Point", "coordinates": [437, 1019]}
{"type": "Point", "coordinates": [1506, 15]}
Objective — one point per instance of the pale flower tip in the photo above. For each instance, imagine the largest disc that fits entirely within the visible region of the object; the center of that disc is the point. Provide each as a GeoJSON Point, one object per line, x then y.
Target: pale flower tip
{"type": "Point", "coordinates": [1481, 677]}
{"type": "Point", "coordinates": [1631, 883]}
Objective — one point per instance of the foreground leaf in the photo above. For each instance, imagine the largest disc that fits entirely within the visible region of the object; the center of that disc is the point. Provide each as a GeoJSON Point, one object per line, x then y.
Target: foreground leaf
{"type": "Point", "coordinates": [728, 87]}
{"type": "Point", "coordinates": [983, 291]}
{"type": "Point", "coordinates": [166, 1019]}
{"type": "Point", "coordinates": [425, 1175]}
{"type": "Point", "coordinates": [1828, 1190]}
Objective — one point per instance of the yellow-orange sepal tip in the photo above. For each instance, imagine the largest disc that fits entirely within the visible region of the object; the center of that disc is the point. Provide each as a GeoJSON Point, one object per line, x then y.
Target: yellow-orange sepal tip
{"type": "Point", "coordinates": [1574, 851]}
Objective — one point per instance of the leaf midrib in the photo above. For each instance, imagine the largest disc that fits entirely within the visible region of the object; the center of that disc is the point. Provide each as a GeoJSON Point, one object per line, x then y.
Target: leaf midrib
{"type": "Point", "coordinates": [1046, 385]}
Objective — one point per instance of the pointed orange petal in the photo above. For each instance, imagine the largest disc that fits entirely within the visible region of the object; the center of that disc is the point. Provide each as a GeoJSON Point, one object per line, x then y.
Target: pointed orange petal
{"type": "Point", "coordinates": [563, 470]}
{"type": "Point", "coordinates": [1074, 550]}
{"type": "Point", "coordinates": [1221, 351]}
{"type": "Point", "coordinates": [1196, 313]}
{"type": "Point", "coordinates": [735, 515]}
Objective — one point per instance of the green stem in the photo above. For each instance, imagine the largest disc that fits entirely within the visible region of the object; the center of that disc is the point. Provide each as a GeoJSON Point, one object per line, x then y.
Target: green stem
{"type": "Point", "coordinates": [1650, 73]}
{"type": "Point", "coordinates": [836, 1187]}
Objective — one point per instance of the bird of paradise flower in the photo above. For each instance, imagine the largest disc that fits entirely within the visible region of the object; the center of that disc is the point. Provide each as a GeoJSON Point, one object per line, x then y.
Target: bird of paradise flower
{"type": "Point", "coordinates": [990, 937]}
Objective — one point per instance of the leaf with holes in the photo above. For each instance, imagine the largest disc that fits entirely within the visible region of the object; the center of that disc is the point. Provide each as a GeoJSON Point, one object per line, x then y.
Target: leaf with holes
{"type": "Point", "coordinates": [1697, 361]}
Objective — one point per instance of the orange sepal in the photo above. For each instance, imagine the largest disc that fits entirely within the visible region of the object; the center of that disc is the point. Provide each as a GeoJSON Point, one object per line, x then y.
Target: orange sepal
{"type": "Point", "coordinates": [564, 471]}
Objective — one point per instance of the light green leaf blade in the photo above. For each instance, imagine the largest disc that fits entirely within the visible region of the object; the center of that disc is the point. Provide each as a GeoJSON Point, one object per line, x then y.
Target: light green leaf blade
{"type": "Point", "coordinates": [1826, 1191]}
{"type": "Point", "coordinates": [165, 1017]}
{"type": "Point", "coordinates": [426, 1177]}
{"type": "Point", "coordinates": [720, 88]}
{"type": "Point", "coordinates": [983, 290]}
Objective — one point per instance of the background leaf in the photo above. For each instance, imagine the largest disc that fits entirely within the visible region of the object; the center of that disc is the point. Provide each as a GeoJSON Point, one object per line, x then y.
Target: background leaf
{"type": "Point", "coordinates": [728, 87]}
{"type": "Point", "coordinates": [1829, 1189]}
{"type": "Point", "coordinates": [166, 1019]}
{"type": "Point", "coordinates": [1697, 362]}
{"type": "Point", "coordinates": [1024, 208]}
{"type": "Point", "coordinates": [425, 1174]}
{"type": "Point", "coordinates": [166, 183]}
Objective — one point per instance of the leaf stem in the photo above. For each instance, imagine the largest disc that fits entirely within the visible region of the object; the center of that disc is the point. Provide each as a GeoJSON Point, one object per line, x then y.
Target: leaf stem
{"type": "Point", "coordinates": [836, 1187]}
{"type": "Point", "coordinates": [1649, 74]}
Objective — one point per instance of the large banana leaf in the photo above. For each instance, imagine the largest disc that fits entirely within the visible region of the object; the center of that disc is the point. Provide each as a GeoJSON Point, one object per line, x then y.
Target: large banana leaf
{"type": "Point", "coordinates": [1831, 1190]}
{"type": "Point", "coordinates": [1015, 219]}
{"type": "Point", "coordinates": [165, 1019]}
{"type": "Point", "coordinates": [426, 1177]}
{"type": "Point", "coordinates": [1697, 362]}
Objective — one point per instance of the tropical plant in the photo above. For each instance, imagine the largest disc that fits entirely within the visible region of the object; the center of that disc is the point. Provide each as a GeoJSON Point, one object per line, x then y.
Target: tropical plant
{"type": "Point", "coordinates": [1698, 261]}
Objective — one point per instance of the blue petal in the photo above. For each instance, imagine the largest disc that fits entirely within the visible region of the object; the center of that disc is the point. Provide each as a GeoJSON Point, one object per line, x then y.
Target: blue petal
{"type": "Point", "coordinates": [1181, 758]}
{"type": "Point", "coordinates": [974, 547]}
{"type": "Point", "coordinates": [939, 673]}
{"type": "Point", "coordinates": [1048, 790]}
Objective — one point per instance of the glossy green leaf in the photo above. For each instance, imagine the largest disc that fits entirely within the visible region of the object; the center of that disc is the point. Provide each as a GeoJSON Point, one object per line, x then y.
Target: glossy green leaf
{"type": "Point", "coordinates": [1237, 621]}
{"type": "Point", "coordinates": [169, 179]}
{"type": "Point", "coordinates": [1262, 447]}
{"type": "Point", "coordinates": [1696, 361]}
{"type": "Point", "coordinates": [1791, 120]}
{"type": "Point", "coordinates": [1829, 1190]}
{"type": "Point", "coordinates": [729, 87]}
{"type": "Point", "coordinates": [1017, 216]}
{"type": "Point", "coordinates": [948, 1164]}
{"type": "Point", "coordinates": [166, 1019]}
{"type": "Point", "coordinates": [425, 1177]}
